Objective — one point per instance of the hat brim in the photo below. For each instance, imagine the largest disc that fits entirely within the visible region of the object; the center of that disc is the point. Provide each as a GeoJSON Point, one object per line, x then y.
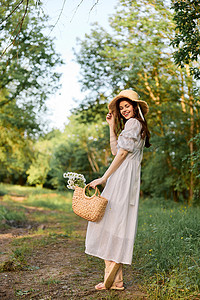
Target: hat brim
{"type": "Point", "coordinates": [143, 104]}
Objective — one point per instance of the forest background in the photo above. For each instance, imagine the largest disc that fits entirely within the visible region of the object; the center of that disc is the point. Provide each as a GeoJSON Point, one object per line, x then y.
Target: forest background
{"type": "Point", "coordinates": [152, 47]}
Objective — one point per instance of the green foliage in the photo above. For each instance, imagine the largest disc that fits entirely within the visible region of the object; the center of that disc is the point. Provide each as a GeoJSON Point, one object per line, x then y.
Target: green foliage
{"type": "Point", "coordinates": [15, 146]}
{"type": "Point", "coordinates": [194, 167]}
{"type": "Point", "coordinates": [132, 55]}
{"type": "Point", "coordinates": [187, 34]}
{"type": "Point", "coordinates": [163, 171]}
{"type": "Point", "coordinates": [75, 150]}
{"type": "Point", "coordinates": [196, 156]}
{"type": "Point", "coordinates": [27, 78]}
{"type": "Point", "coordinates": [39, 168]}
{"type": "Point", "coordinates": [27, 67]}
{"type": "Point", "coordinates": [78, 151]}
{"type": "Point", "coordinates": [91, 110]}
{"type": "Point", "coordinates": [136, 54]}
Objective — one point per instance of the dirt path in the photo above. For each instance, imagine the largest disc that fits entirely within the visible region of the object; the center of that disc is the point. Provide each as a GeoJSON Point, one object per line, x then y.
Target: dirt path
{"type": "Point", "coordinates": [55, 269]}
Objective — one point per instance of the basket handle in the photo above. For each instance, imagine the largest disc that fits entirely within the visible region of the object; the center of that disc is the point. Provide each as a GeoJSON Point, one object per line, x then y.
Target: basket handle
{"type": "Point", "coordinates": [95, 193]}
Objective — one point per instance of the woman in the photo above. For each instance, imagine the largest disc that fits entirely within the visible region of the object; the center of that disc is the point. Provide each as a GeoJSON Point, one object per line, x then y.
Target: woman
{"type": "Point", "coordinates": [112, 238]}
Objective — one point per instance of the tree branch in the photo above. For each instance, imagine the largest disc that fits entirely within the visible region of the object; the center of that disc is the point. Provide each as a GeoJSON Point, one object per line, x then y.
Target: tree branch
{"type": "Point", "coordinates": [80, 5]}
{"type": "Point", "coordinates": [19, 23]}
{"type": "Point", "coordinates": [58, 17]}
{"type": "Point", "coordinates": [97, 1]}
{"type": "Point", "coordinates": [16, 7]}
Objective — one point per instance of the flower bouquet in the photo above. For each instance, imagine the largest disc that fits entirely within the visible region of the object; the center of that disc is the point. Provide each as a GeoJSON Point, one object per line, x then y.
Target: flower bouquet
{"type": "Point", "coordinates": [74, 179]}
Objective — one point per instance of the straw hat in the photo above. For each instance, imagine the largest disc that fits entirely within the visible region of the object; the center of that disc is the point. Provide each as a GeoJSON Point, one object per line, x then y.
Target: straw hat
{"type": "Point", "coordinates": [131, 95]}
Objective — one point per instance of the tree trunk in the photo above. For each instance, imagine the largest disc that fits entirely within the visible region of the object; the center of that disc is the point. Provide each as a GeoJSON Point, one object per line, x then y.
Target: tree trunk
{"type": "Point", "coordinates": [93, 164]}
{"type": "Point", "coordinates": [175, 196]}
{"type": "Point", "coordinates": [155, 97]}
{"type": "Point", "coordinates": [182, 93]}
{"type": "Point", "coordinates": [191, 135]}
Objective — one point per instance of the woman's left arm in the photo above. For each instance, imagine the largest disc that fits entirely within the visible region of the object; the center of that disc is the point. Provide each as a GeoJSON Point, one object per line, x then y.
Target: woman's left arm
{"type": "Point", "coordinates": [119, 158]}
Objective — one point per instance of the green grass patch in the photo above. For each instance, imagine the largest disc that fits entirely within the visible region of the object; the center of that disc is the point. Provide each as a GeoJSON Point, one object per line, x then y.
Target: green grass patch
{"type": "Point", "coordinates": [11, 216]}
{"type": "Point", "coordinates": [20, 293]}
{"type": "Point", "coordinates": [50, 281]}
{"type": "Point", "coordinates": [26, 245]}
{"type": "Point", "coordinates": [22, 190]}
{"type": "Point", "coordinates": [17, 261]}
{"type": "Point", "coordinates": [51, 201]}
{"type": "Point", "coordinates": [167, 248]}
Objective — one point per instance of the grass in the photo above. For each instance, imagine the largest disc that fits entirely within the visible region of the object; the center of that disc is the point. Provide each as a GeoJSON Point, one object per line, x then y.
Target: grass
{"type": "Point", "coordinates": [8, 214]}
{"type": "Point", "coordinates": [22, 190]}
{"type": "Point", "coordinates": [20, 293]}
{"type": "Point", "coordinates": [50, 281]}
{"type": "Point", "coordinates": [167, 248]}
{"type": "Point", "coordinates": [60, 202]}
{"type": "Point", "coordinates": [166, 251]}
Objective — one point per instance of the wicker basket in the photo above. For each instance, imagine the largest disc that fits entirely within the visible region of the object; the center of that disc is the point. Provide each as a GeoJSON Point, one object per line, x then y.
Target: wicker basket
{"type": "Point", "coordinates": [90, 208]}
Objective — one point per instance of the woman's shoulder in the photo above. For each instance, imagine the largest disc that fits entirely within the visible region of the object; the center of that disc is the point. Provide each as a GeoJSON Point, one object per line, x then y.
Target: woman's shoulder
{"type": "Point", "coordinates": [132, 122]}
{"type": "Point", "coordinates": [132, 129]}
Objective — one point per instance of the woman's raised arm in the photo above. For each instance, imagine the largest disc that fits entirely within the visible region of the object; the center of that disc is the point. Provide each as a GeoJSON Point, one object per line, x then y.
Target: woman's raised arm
{"type": "Point", "coordinates": [113, 141]}
{"type": "Point", "coordinates": [113, 137]}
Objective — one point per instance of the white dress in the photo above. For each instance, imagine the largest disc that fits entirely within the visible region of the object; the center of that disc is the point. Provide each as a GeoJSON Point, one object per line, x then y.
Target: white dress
{"type": "Point", "coordinates": [113, 237]}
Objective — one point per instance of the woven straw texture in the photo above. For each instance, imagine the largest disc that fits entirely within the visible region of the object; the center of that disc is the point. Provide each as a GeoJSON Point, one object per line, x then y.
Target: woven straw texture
{"type": "Point", "coordinates": [90, 208]}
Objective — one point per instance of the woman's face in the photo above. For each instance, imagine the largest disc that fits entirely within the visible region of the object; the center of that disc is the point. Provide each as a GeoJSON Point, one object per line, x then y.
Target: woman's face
{"type": "Point", "coordinates": [126, 109]}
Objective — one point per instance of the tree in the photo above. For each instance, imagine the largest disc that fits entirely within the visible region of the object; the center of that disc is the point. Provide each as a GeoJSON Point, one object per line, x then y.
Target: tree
{"type": "Point", "coordinates": [136, 54]}
{"type": "Point", "coordinates": [28, 68]}
{"type": "Point", "coordinates": [193, 161]}
{"type": "Point", "coordinates": [44, 149]}
{"type": "Point", "coordinates": [78, 151]}
{"type": "Point", "coordinates": [187, 45]}
{"type": "Point", "coordinates": [27, 78]}
{"type": "Point", "coordinates": [187, 34]}
{"type": "Point", "coordinates": [39, 167]}
{"type": "Point", "coordinates": [15, 145]}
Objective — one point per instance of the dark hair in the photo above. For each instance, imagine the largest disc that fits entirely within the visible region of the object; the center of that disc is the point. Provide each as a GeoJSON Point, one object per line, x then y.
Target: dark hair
{"type": "Point", "coordinates": [120, 121]}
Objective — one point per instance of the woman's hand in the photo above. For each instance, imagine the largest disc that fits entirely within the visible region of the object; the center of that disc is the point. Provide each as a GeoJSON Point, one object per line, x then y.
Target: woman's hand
{"type": "Point", "coordinates": [96, 182]}
{"type": "Point", "coordinates": [110, 119]}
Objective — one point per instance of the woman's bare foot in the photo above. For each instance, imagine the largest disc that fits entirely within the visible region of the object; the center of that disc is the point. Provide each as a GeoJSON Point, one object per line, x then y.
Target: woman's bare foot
{"type": "Point", "coordinates": [119, 284]}
{"type": "Point", "coordinates": [116, 286]}
{"type": "Point", "coordinates": [100, 286]}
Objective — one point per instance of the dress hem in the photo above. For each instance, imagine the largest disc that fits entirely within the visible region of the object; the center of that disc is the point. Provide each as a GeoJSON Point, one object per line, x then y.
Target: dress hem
{"type": "Point", "coordinates": [111, 259]}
